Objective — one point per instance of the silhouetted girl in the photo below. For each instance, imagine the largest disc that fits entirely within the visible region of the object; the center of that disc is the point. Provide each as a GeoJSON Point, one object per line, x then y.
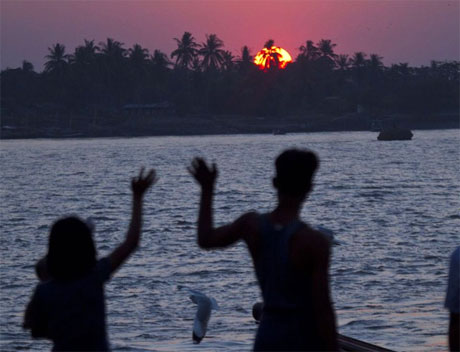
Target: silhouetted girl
{"type": "Point", "coordinates": [69, 307]}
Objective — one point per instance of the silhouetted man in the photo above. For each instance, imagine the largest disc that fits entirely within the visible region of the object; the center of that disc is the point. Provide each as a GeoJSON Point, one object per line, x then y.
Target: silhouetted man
{"type": "Point", "coordinates": [291, 259]}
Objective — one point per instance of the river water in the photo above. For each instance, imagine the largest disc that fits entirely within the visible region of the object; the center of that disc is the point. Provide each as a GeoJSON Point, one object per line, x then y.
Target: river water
{"type": "Point", "coordinates": [394, 208]}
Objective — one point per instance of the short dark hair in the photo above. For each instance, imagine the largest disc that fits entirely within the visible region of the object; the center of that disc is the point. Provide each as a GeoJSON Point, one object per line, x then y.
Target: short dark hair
{"type": "Point", "coordinates": [71, 250]}
{"type": "Point", "coordinates": [295, 169]}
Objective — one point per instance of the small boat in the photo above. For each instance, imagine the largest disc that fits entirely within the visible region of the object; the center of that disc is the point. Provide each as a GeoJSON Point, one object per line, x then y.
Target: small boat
{"type": "Point", "coordinates": [395, 134]}
{"type": "Point", "coordinates": [278, 132]}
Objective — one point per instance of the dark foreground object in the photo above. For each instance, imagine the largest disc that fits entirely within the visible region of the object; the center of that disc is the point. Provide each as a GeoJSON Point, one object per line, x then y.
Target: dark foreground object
{"type": "Point", "coordinates": [346, 344]}
{"type": "Point", "coordinates": [349, 344]}
{"type": "Point", "coordinates": [395, 134]}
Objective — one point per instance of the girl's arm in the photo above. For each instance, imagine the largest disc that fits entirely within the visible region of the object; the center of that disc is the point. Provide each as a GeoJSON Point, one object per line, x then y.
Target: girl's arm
{"type": "Point", "coordinates": [35, 318]}
{"type": "Point", "coordinates": [139, 186]}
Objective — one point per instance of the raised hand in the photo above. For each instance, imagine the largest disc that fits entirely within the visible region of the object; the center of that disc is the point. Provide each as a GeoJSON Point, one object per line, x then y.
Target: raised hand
{"type": "Point", "coordinates": [202, 173]}
{"type": "Point", "coordinates": [139, 186]}
{"type": "Point", "coordinates": [141, 183]}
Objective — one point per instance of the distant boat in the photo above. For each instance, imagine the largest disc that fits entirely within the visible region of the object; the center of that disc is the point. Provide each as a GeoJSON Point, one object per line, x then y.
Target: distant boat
{"type": "Point", "coordinates": [395, 134]}
{"type": "Point", "coordinates": [278, 132]}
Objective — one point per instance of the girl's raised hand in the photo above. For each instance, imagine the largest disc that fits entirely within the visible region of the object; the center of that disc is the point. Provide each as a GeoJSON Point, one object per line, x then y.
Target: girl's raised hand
{"type": "Point", "coordinates": [141, 183]}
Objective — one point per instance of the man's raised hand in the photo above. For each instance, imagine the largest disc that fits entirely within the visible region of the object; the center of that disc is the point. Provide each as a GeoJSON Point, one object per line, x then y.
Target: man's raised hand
{"type": "Point", "coordinates": [202, 173]}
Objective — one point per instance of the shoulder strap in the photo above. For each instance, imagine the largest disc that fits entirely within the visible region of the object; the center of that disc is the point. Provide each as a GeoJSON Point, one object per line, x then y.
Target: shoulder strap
{"type": "Point", "coordinates": [264, 223]}
{"type": "Point", "coordinates": [292, 228]}
{"type": "Point", "coordinates": [288, 232]}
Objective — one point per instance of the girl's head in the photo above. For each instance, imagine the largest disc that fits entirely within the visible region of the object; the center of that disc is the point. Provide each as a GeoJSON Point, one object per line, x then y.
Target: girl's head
{"type": "Point", "coordinates": [71, 251]}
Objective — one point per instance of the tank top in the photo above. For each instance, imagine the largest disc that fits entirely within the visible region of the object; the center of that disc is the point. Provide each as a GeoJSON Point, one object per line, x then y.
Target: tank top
{"type": "Point", "coordinates": [287, 320]}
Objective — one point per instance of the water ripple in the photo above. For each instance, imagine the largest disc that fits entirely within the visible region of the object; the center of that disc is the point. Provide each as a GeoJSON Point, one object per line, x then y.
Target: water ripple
{"type": "Point", "coordinates": [393, 206]}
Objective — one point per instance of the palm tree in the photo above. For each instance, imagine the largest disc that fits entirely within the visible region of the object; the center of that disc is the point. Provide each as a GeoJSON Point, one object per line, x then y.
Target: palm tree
{"type": "Point", "coordinates": [114, 74]}
{"type": "Point", "coordinates": [196, 65]}
{"type": "Point", "coordinates": [138, 56]}
{"type": "Point", "coordinates": [269, 55]}
{"type": "Point", "coordinates": [326, 48]}
{"type": "Point", "coordinates": [245, 55]}
{"type": "Point", "coordinates": [342, 61]}
{"type": "Point", "coordinates": [228, 61]}
{"type": "Point", "coordinates": [326, 60]}
{"type": "Point", "coordinates": [56, 68]}
{"type": "Point", "coordinates": [84, 73]}
{"type": "Point", "coordinates": [84, 55]}
{"type": "Point", "coordinates": [213, 55]}
{"type": "Point", "coordinates": [57, 60]}
{"type": "Point", "coordinates": [309, 51]}
{"type": "Point", "coordinates": [358, 63]}
{"type": "Point", "coordinates": [358, 60]}
{"type": "Point", "coordinates": [186, 51]}
{"type": "Point", "coordinates": [113, 50]}
{"type": "Point", "coordinates": [160, 60]}
{"type": "Point", "coordinates": [269, 43]}
{"type": "Point", "coordinates": [138, 59]}
{"type": "Point", "coordinates": [137, 72]}
{"type": "Point", "coordinates": [401, 70]}
{"type": "Point", "coordinates": [245, 60]}
{"type": "Point", "coordinates": [375, 62]}
{"type": "Point", "coordinates": [27, 66]}
{"type": "Point", "coordinates": [157, 79]}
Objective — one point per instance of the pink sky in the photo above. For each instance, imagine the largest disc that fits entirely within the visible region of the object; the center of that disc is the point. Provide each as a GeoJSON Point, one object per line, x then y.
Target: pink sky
{"type": "Point", "coordinates": [414, 31]}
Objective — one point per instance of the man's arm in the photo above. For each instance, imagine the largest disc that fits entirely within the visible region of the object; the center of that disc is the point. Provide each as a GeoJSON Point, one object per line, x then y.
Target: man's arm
{"type": "Point", "coordinates": [324, 313]}
{"type": "Point", "coordinates": [208, 236]}
{"type": "Point", "coordinates": [139, 186]}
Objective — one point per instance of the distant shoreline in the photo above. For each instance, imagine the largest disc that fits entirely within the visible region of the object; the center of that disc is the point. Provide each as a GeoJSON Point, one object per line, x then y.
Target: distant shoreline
{"type": "Point", "coordinates": [194, 125]}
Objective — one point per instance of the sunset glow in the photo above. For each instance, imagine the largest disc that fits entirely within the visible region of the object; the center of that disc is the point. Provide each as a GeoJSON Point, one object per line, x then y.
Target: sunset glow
{"type": "Point", "coordinates": [273, 56]}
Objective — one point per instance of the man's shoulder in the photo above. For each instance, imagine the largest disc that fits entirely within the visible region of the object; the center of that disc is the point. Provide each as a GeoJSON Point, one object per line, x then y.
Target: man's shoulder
{"type": "Point", "coordinates": [311, 247]}
{"type": "Point", "coordinates": [311, 237]}
{"type": "Point", "coordinates": [251, 219]}
{"type": "Point", "coordinates": [248, 224]}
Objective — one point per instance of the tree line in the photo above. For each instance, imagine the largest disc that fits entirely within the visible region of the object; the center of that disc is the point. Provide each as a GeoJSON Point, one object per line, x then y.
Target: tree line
{"type": "Point", "coordinates": [204, 78]}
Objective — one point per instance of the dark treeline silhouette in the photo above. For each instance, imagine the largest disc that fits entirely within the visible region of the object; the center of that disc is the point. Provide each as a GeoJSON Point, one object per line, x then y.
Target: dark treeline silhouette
{"type": "Point", "coordinates": [98, 80]}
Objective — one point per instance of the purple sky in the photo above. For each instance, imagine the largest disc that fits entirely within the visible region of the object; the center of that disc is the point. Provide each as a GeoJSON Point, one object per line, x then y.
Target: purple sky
{"type": "Point", "coordinates": [414, 31]}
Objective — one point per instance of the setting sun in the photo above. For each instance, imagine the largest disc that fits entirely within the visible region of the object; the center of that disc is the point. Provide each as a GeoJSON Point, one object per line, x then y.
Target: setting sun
{"type": "Point", "coordinates": [272, 57]}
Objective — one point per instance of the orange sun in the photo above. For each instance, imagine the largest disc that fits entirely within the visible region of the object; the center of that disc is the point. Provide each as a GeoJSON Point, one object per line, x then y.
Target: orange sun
{"type": "Point", "coordinates": [272, 57]}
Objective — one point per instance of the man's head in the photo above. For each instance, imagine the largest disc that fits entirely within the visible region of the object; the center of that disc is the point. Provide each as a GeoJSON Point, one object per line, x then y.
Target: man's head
{"type": "Point", "coordinates": [294, 172]}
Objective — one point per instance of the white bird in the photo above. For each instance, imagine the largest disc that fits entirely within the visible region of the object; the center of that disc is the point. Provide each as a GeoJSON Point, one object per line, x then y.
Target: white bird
{"type": "Point", "coordinates": [203, 313]}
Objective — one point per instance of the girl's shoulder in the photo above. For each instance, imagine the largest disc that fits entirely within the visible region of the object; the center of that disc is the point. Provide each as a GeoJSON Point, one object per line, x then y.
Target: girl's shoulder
{"type": "Point", "coordinates": [103, 269]}
{"type": "Point", "coordinates": [99, 274]}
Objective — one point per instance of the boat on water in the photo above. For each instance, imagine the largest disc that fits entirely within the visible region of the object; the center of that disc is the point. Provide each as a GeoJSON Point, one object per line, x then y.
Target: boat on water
{"type": "Point", "coordinates": [278, 132]}
{"type": "Point", "coordinates": [395, 134]}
